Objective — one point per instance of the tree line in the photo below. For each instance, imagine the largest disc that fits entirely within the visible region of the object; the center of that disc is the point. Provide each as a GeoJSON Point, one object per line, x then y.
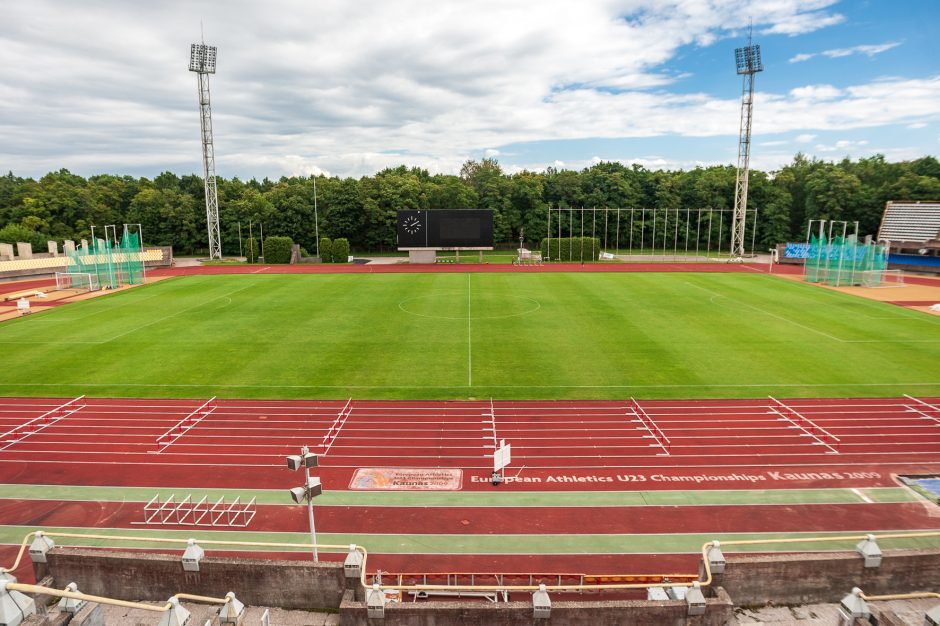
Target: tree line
{"type": "Point", "coordinates": [171, 210]}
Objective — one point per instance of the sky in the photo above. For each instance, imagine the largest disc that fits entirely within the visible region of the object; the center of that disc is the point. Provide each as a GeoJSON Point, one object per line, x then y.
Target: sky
{"type": "Point", "coordinates": [349, 88]}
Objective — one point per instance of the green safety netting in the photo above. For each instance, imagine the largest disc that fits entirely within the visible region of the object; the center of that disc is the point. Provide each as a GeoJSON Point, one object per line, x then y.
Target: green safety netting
{"type": "Point", "coordinates": [113, 264]}
{"type": "Point", "coordinates": [844, 262]}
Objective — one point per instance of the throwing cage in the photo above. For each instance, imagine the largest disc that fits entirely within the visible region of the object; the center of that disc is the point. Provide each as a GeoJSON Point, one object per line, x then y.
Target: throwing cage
{"type": "Point", "coordinates": [110, 262]}
{"type": "Point", "coordinates": [836, 258]}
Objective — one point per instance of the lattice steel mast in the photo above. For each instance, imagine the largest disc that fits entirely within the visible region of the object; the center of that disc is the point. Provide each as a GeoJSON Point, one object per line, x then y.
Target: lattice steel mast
{"type": "Point", "coordinates": [202, 61]}
{"type": "Point", "coordinates": [748, 63]}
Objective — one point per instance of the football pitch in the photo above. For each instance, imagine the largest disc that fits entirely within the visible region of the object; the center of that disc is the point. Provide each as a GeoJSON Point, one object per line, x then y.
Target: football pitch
{"type": "Point", "coordinates": [473, 335]}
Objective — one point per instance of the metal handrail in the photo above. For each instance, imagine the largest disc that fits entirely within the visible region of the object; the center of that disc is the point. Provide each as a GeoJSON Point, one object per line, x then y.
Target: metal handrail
{"type": "Point", "coordinates": [704, 582]}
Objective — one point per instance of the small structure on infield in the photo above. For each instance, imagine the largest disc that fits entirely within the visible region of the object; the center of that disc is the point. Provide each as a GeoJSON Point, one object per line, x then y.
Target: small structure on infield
{"type": "Point", "coordinates": [502, 457]}
{"type": "Point", "coordinates": [203, 512]}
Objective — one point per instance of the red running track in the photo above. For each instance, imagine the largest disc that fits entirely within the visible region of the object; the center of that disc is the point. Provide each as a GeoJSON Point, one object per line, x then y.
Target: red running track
{"type": "Point", "coordinates": [506, 520]}
{"type": "Point", "coordinates": [556, 445]}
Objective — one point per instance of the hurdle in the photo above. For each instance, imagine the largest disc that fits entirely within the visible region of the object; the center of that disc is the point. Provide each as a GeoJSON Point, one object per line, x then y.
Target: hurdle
{"type": "Point", "coordinates": [654, 430]}
{"type": "Point", "coordinates": [336, 426]}
{"type": "Point", "coordinates": [35, 425]}
{"type": "Point", "coordinates": [186, 512]}
{"type": "Point", "coordinates": [806, 425]}
{"type": "Point", "coordinates": [184, 425]}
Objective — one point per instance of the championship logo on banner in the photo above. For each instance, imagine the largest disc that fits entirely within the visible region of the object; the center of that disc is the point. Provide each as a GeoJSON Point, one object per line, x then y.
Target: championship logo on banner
{"type": "Point", "coordinates": [396, 479]}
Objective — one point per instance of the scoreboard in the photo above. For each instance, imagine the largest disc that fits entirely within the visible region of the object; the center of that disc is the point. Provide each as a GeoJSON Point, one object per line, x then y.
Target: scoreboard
{"type": "Point", "coordinates": [445, 229]}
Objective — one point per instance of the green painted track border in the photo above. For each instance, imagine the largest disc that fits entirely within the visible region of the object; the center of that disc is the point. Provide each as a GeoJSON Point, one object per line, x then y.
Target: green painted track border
{"type": "Point", "coordinates": [704, 497]}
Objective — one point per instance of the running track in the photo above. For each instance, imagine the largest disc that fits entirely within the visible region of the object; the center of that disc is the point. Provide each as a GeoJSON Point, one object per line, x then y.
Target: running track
{"type": "Point", "coordinates": [558, 447]}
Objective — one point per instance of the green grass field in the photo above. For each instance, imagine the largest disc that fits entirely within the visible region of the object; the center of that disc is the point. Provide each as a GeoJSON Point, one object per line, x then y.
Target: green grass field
{"type": "Point", "coordinates": [500, 335]}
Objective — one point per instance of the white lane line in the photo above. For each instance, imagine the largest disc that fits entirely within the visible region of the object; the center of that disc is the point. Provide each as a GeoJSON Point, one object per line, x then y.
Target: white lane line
{"type": "Point", "coordinates": [863, 496]}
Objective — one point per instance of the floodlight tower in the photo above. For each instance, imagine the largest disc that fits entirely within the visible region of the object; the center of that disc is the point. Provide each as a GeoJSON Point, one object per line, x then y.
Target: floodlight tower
{"type": "Point", "coordinates": [748, 63]}
{"type": "Point", "coordinates": [202, 61]}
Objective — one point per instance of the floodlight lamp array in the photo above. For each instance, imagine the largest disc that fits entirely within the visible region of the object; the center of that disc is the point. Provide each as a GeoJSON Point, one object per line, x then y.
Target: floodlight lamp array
{"type": "Point", "coordinates": [202, 58]}
{"type": "Point", "coordinates": [748, 60]}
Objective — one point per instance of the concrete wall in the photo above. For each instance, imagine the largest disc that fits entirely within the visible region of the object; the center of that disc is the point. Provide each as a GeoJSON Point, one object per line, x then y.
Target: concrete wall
{"type": "Point", "coordinates": [747, 580]}
{"type": "Point", "coordinates": [803, 578]}
{"type": "Point", "coordinates": [718, 612]}
{"type": "Point", "coordinates": [156, 577]}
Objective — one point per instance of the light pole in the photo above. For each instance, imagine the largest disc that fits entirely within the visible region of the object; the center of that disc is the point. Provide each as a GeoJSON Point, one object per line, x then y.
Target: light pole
{"type": "Point", "coordinates": [311, 489]}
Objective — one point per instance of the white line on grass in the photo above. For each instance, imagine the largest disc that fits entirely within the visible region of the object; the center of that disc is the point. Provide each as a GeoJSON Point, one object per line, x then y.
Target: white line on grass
{"type": "Point", "coordinates": [469, 337]}
{"type": "Point", "coordinates": [166, 317]}
{"type": "Point", "coordinates": [862, 496]}
{"type": "Point", "coordinates": [407, 386]}
{"type": "Point", "coordinates": [757, 308]}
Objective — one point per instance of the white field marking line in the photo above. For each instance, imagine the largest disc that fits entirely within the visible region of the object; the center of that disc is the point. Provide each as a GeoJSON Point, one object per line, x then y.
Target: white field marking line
{"type": "Point", "coordinates": [182, 427]}
{"type": "Point", "coordinates": [803, 418]}
{"type": "Point", "coordinates": [863, 496]}
{"type": "Point", "coordinates": [774, 315]}
{"type": "Point", "coordinates": [924, 415]}
{"type": "Point", "coordinates": [641, 414]}
{"type": "Point", "coordinates": [166, 317]}
{"type": "Point", "coordinates": [922, 465]}
{"type": "Point", "coordinates": [926, 404]}
{"type": "Point", "coordinates": [492, 416]}
{"type": "Point", "coordinates": [451, 387]}
{"type": "Point", "coordinates": [59, 409]}
{"type": "Point", "coordinates": [338, 424]}
{"type": "Point", "coordinates": [101, 310]}
{"type": "Point", "coordinates": [261, 269]}
{"type": "Point", "coordinates": [350, 451]}
{"type": "Point", "coordinates": [36, 488]}
{"type": "Point", "coordinates": [469, 336]}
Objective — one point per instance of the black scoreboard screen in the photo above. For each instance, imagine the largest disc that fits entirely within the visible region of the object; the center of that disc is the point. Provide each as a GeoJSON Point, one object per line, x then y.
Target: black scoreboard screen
{"type": "Point", "coordinates": [445, 229]}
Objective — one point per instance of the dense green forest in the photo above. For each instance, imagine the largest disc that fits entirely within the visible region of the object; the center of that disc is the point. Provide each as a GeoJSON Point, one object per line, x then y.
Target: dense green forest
{"type": "Point", "coordinates": [61, 205]}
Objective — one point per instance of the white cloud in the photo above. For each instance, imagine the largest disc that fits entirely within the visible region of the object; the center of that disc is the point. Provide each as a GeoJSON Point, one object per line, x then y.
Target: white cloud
{"type": "Point", "coordinates": [916, 125]}
{"type": "Point", "coordinates": [349, 88]}
{"type": "Point", "coordinates": [842, 145]}
{"type": "Point", "coordinates": [800, 23]}
{"type": "Point", "coordinates": [804, 138]}
{"type": "Point", "coordinates": [869, 50]}
{"type": "Point", "coordinates": [801, 57]}
{"type": "Point", "coordinates": [815, 93]}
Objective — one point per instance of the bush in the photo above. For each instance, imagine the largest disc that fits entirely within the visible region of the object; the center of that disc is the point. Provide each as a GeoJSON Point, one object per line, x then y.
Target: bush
{"type": "Point", "coordinates": [277, 249]}
{"type": "Point", "coordinates": [570, 249]}
{"type": "Point", "coordinates": [326, 250]}
{"type": "Point", "coordinates": [251, 250]}
{"type": "Point", "coordinates": [14, 233]}
{"type": "Point", "coordinates": [341, 250]}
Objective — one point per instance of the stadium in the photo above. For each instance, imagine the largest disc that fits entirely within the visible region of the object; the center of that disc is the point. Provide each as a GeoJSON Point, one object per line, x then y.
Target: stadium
{"type": "Point", "coordinates": [633, 415]}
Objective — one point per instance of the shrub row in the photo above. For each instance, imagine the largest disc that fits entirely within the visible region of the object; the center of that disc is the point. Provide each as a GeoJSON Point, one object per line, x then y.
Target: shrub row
{"type": "Point", "coordinates": [572, 249]}
{"type": "Point", "coordinates": [277, 249]}
{"type": "Point", "coordinates": [335, 251]}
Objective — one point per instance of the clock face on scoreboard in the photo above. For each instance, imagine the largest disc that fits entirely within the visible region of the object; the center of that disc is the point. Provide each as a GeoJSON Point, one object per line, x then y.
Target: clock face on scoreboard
{"type": "Point", "coordinates": [412, 224]}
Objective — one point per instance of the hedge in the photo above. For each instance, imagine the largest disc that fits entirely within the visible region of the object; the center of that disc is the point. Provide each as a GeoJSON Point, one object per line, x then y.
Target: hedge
{"type": "Point", "coordinates": [251, 250]}
{"type": "Point", "coordinates": [341, 250]}
{"type": "Point", "coordinates": [326, 250]}
{"type": "Point", "coordinates": [571, 248]}
{"type": "Point", "coordinates": [277, 249]}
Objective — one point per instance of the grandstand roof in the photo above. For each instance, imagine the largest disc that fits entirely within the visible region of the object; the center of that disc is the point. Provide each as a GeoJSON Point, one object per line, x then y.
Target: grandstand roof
{"type": "Point", "coordinates": [910, 221]}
